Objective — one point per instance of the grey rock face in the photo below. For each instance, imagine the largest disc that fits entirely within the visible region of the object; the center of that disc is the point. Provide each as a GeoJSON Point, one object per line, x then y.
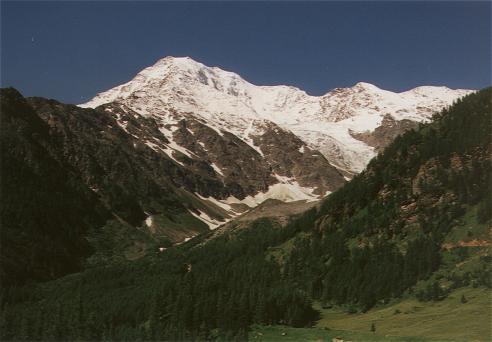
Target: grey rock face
{"type": "Point", "coordinates": [232, 166]}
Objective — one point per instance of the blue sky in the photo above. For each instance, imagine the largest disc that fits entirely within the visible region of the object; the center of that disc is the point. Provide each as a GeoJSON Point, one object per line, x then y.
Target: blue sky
{"type": "Point", "coordinates": [72, 50]}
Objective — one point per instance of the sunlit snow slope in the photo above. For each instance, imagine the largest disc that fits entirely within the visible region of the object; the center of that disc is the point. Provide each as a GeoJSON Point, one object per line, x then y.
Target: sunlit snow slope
{"type": "Point", "coordinates": [229, 103]}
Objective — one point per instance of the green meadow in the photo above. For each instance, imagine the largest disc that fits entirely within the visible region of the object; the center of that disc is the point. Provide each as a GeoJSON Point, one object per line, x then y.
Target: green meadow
{"type": "Point", "coordinates": [404, 320]}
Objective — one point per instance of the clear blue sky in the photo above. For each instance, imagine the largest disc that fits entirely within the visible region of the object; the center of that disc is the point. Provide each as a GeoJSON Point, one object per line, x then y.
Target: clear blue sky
{"type": "Point", "coordinates": [72, 50]}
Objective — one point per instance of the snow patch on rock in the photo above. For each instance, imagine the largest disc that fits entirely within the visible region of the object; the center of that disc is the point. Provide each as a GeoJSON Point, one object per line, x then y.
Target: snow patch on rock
{"type": "Point", "coordinates": [287, 192]}
{"type": "Point", "coordinates": [209, 221]}
{"type": "Point", "coordinates": [148, 221]}
{"type": "Point", "coordinates": [217, 169]}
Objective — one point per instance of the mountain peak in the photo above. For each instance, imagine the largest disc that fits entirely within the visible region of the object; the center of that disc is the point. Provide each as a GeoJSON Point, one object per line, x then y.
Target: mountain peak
{"type": "Point", "coordinates": [172, 58]}
{"type": "Point", "coordinates": [177, 60]}
{"type": "Point", "coordinates": [227, 102]}
{"type": "Point", "coordinates": [171, 64]}
{"type": "Point", "coordinates": [365, 86]}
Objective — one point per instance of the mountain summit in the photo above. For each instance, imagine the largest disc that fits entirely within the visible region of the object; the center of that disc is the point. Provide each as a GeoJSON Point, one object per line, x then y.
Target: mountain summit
{"type": "Point", "coordinates": [226, 102]}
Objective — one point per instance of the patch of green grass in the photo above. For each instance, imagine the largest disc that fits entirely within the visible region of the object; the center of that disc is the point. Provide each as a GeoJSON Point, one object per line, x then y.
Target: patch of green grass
{"type": "Point", "coordinates": [468, 228]}
{"type": "Point", "coordinates": [449, 319]}
{"type": "Point", "coordinates": [403, 320]}
{"type": "Point", "coordinates": [177, 227]}
{"type": "Point", "coordinates": [118, 242]}
{"type": "Point", "coordinates": [279, 333]}
{"type": "Point", "coordinates": [281, 252]}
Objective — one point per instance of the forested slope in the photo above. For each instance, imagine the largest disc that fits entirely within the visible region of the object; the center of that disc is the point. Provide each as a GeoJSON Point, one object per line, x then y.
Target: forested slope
{"type": "Point", "coordinates": [388, 227]}
{"type": "Point", "coordinates": [76, 190]}
{"type": "Point", "coordinates": [407, 224]}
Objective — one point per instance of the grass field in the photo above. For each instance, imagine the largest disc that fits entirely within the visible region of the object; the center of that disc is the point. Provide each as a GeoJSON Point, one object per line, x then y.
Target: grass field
{"type": "Point", "coordinates": [406, 320]}
{"type": "Point", "coordinates": [289, 334]}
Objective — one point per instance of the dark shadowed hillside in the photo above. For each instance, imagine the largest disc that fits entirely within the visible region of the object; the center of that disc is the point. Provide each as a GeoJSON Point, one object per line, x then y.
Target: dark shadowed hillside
{"type": "Point", "coordinates": [46, 210]}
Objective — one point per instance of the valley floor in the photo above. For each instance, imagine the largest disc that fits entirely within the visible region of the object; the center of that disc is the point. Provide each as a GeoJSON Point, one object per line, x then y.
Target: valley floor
{"type": "Point", "coordinates": [405, 320]}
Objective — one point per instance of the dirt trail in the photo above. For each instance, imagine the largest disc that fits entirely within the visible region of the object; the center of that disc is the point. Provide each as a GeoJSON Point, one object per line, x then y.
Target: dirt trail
{"type": "Point", "coordinates": [472, 243]}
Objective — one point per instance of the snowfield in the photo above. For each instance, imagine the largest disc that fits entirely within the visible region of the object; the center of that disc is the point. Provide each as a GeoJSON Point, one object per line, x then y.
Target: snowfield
{"type": "Point", "coordinates": [226, 102]}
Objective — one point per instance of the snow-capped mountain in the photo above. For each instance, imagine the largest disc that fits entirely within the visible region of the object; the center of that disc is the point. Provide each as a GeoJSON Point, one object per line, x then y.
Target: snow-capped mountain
{"type": "Point", "coordinates": [229, 103]}
{"type": "Point", "coordinates": [263, 141]}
